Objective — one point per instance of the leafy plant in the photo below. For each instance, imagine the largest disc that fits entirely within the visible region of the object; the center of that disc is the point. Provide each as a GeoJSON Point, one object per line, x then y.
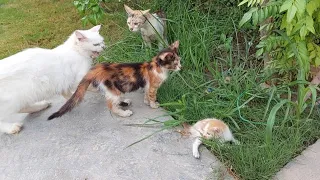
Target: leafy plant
{"type": "Point", "coordinates": [90, 10]}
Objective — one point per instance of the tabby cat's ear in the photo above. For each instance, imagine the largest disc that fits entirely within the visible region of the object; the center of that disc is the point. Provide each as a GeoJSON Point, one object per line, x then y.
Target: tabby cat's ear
{"type": "Point", "coordinates": [175, 45]}
{"type": "Point", "coordinates": [80, 36]}
{"type": "Point", "coordinates": [145, 11]}
{"type": "Point", "coordinates": [128, 10]}
{"type": "Point", "coordinates": [95, 28]}
{"type": "Point", "coordinates": [163, 56]}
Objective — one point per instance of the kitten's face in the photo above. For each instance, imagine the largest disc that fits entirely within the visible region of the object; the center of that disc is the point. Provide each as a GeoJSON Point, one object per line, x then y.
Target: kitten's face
{"type": "Point", "coordinates": [135, 19]}
{"type": "Point", "coordinates": [90, 41]}
{"type": "Point", "coordinates": [169, 59]}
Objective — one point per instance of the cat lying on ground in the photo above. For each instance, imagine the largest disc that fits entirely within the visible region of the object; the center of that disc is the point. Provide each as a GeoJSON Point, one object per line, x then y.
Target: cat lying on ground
{"type": "Point", "coordinates": [30, 77]}
{"type": "Point", "coordinates": [208, 129]}
{"type": "Point", "coordinates": [151, 26]}
{"type": "Point", "coordinates": [114, 79]}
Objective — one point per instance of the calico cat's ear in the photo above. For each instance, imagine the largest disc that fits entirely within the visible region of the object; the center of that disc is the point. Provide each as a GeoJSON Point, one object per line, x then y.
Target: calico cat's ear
{"type": "Point", "coordinates": [163, 56]}
{"type": "Point", "coordinates": [128, 10]}
{"type": "Point", "coordinates": [80, 36]}
{"type": "Point", "coordinates": [145, 11]}
{"type": "Point", "coordinates": [95, 28]}
{"type": "Point", "coordinates": [175, 45]}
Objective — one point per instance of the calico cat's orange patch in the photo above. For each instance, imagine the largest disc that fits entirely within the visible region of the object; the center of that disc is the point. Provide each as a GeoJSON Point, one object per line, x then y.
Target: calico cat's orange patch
{"type": "Point", "coordinates": [115, 79]}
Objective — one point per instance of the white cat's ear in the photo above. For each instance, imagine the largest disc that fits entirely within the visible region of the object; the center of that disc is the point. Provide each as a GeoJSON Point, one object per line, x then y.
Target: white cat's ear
{"type": "Point", "coordinates": [80, 36]}
{"type": "Point", "coordinates": [175, 45]}
{"type": "Point", "coordinates": [145, 11]}
{"type": "Point", "coordinates": [128, 9]}
{"type": "Point", "coordinates": [95, 28]}
{"type": "Point", "coordinates": [163, 56]}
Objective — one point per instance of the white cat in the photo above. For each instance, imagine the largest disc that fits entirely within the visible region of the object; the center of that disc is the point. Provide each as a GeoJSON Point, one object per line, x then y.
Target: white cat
{"type": "Point", "coordinates": [30, 77]}
{"type": "Point", "coordinates": [151, 26]}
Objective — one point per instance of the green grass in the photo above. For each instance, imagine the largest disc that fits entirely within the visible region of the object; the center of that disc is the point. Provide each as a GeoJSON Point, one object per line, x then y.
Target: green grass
{"type": "Point", "coordinates": [198, 91]}
{"type": "Point", "coordinates": [43, 23]}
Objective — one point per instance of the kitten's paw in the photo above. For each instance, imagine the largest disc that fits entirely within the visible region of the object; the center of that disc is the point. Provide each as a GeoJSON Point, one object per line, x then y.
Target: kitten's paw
{"type": "Point", "coordinates": [154, 105]}
{"type": "Point", "coordinates": [45, 104]}
{"type": "Point", "coordinates": [15, 128]}
{"type": "Point", "coordinates": [128, 101]}
{"type": "Point", "coordinates": [196, 154]}
{"type": "Point", "coordinates": [146, 101]}
{"type": "Point", "coordinates": [126, 113]}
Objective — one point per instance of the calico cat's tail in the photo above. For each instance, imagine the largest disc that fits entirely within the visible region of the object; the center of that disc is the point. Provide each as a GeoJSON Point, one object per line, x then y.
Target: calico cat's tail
{"type": "Point", "coordinates": [75, 99]}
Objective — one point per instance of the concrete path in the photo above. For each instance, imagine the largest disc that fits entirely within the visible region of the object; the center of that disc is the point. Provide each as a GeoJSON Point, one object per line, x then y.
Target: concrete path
{"type": "Point", "coordinates": [304, 167]}
{"type": "Point", "coordinates": [89, 143]}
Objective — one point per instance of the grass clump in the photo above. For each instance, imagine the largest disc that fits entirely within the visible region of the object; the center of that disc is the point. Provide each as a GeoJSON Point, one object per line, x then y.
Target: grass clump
{"type": "Point", "coordinates": [220, 78]}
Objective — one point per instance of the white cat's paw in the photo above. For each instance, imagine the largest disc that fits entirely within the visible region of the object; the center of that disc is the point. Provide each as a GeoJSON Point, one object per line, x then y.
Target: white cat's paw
{"type": "Point", "coordinates": [196, 154]}
{"type": "Point", "coordinates": [15, 128]}
{"type": "Point", "coordinates": [44, 104]}
{"type": "Point", "coordinates": [154, 105]}
{"type": "Point", "coordinates": [126, 113]}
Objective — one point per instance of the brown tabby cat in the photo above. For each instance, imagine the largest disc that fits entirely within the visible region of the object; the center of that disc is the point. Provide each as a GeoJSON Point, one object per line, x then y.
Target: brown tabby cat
{"type": "Point", "coordinates": [115, 79]}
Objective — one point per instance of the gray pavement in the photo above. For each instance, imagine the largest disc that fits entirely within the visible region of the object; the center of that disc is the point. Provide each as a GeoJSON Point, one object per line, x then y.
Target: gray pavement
{"type": "Point", "coordinates": [89, 143]}
{"type": "Point", "coordinates": [304, 167]}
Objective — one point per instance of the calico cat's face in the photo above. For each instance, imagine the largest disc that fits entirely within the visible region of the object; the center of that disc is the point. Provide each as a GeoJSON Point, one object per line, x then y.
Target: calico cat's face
{"type": "Point", "coordinates": [90, 40]}
{"type": "Point", "coordinates": [169, 59]}
{"type": "Point", "coordinates": [135, 19]}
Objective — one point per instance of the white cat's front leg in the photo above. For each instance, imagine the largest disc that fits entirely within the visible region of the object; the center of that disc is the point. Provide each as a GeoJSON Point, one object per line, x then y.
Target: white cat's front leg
{"type": "Point", "coordinates": [195, 148]}
{"type": "Point", "coordinates": [38, 106]}
{"type": "Point", "coordinates": [10, 128]}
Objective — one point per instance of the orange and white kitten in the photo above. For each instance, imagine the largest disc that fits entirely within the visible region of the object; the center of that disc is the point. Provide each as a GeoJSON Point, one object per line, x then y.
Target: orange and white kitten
{"type": "Point", "coordinates": [209, 129]}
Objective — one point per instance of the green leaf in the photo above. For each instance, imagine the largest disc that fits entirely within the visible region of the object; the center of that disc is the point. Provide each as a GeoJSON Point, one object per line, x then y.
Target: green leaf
{"type": "Point", "coordinates": [247, 16]}
{"type": "Point", "coordinates": [244, 1]}
{"type": "Point", "coordinates": [317, 61]}
{"type": "Point", "coordinates": [303, 32]}
{"type": "Point", "coordinates": [309, 24]}
{"type": "Point", "coordinates": [291, 13]}
{"type": "Point", "coordinates": [271, 119]}
{"type": "Point", "coordinates": [312, 6]}
{"type": "Point", "coordinates": [300, 5]}
{"type": "Point", "coordinates": [259, 52]}
{"type": "Point", "coordinates": [286, 5]}
{"type": "Point", "coordinates": [255, 18]}
{"type": "Point", "coordinates": [261, 15]}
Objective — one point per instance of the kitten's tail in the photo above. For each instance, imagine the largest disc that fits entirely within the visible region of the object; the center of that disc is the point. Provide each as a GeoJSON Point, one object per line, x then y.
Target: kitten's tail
{"type": "Point", "coordinates": [75, 99]}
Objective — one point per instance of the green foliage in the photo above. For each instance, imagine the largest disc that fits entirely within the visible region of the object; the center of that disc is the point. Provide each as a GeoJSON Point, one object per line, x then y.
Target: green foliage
{"type": "Point", "coordinates": [90, 10]}
{"type": "Point", "coordinates": [289, 38]}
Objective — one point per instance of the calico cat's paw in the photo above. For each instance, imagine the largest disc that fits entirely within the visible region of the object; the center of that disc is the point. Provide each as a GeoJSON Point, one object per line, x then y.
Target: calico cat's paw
{"type": "Point", "coordinates": [196, 154]}
{"type": "Point", "coordinates": [154, 105]}
{"type": "Point", "coordinates": [126, 113]}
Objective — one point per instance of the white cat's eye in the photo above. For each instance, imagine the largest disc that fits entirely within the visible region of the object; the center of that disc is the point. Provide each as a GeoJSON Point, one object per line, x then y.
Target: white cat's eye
{"type": "Point", "coordinates": [96, 44]}
{"type": "Point", "coordinates": [135, 23]}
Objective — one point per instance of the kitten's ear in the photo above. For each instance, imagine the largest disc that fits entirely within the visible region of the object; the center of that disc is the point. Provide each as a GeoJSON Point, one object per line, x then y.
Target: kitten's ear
{"type": "Point", "coordinates": [175, 45]}
{"type": "Point", "coordinates": [163, 56]}
{"type": "Point", "coordinates": [145, 11]}
{"type": "Point", "coordinates": [80, 36]}
{"type": "Point", "coordinates": [95, 28]}
{"type": "Point", "coordinates": [128, 9]}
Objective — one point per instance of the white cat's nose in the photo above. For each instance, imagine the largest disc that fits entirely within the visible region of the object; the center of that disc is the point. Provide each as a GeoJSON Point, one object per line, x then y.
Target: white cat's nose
{"type": "Point", "coordinates": [131, 29]}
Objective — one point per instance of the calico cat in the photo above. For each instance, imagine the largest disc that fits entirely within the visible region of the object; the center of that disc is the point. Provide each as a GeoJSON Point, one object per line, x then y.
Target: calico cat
{"type": "Point", "coordinates": [115, 79]}
{"type": "Point", "coordinates": [150, 25]}
{"type": "Point", "coordinates": [33, 75]}
{"type": "Point", "coordinates": [208, 129]}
